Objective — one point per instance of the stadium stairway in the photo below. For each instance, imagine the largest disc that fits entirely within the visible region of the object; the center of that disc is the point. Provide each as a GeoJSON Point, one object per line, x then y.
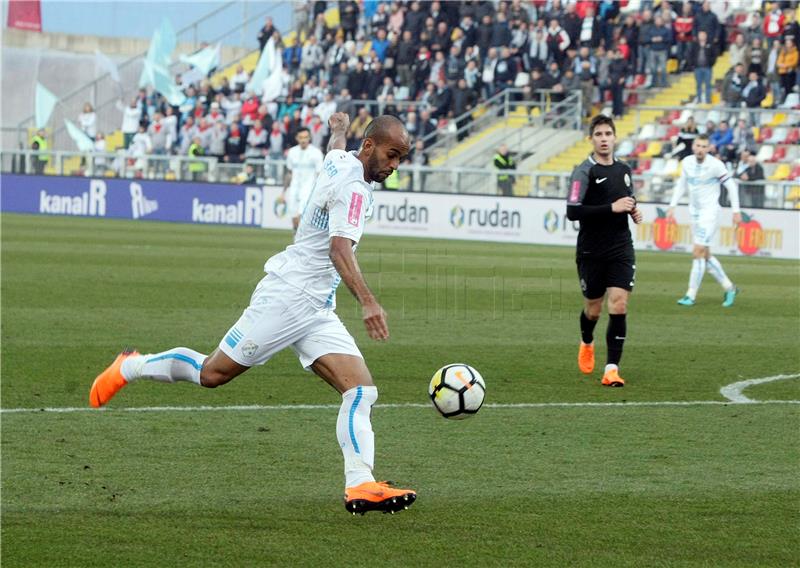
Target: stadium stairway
{"type": "Point", "coordinates": [681, 90]}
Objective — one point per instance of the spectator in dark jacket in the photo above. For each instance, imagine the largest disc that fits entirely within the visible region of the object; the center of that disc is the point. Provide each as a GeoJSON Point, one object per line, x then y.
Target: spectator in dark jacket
{"type": "Point", "coordinates": [659, 38]}
{"type": "Point", "coordinates": [265, 33]}
{"type": "Point", "coordinates": [732, 85]}
{"type": "Point", "coordinates": [701, 59]}
{"type": "Point", "coordinates": [485, 34]}
{"type": "Point", "coordinates": [617, 71]}
{"type": "Point", "coordinates": [754, 92]}
{"type": "Point", "coordinates": [754, 172]}
{"type": "Point", "coordinates": [414, 20]}
{"type": "Point", "coordinates": [506, 70]}
{"type": "Point", "coordinates": [357, 81]}
{"type": "Point", "coordinates": [348, 18]}
{"type": "Point", "coordinates": [501, 34]}
{"type": "Point", "coordinates": [707, 21]}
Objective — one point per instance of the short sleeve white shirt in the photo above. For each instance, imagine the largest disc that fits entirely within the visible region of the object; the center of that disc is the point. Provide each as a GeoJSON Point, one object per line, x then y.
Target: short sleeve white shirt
{"type": "Point", "coordinates": [339, 204]}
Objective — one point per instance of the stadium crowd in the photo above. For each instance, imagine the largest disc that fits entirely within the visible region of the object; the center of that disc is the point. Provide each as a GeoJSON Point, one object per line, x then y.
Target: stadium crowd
{"type": "Point", "coordinates": [431, 62]}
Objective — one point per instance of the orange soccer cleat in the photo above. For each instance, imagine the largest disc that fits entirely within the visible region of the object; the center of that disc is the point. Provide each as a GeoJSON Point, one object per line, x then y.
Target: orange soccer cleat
{"type": "Point", "coordinates": [377, 496]}
{"type": "Point", "coordinates": [109, 382]}
{"type": "Point", "coordinates": [586, 358]}
{"type": "Point", "coordinates": [611, 378]}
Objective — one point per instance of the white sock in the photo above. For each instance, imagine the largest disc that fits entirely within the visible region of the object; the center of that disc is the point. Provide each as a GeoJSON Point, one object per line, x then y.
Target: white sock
{"type": "Point", "coordinates": [609, 367]}
{"type": "Point", "coordinates": [179, 364]}
{"type": "Point", "coordinates": [715, 269]}
{"type": "Point", "coordinates": [696, 276]}
{"type": "Point", "coordinates": [354, 432]}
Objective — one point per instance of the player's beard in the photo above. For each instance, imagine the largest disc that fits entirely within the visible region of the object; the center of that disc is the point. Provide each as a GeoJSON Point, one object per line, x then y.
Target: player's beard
{"type": "Point", "coordinates": [373, 166]}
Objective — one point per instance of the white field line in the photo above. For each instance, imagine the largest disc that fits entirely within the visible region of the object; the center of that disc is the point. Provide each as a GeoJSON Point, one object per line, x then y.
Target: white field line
{"type": "Point", "coordinates": [733, 392]}
{"type": "Point", "coordinates": [497, 406]}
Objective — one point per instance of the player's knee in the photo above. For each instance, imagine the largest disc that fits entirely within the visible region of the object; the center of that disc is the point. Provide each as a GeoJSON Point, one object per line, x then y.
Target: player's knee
{"type": "Point", "coordinates": [594, 310]}
{"type": "Point", "coordinates": [618, 305]}
{"type": "Point", "coordinates": [213, 378]}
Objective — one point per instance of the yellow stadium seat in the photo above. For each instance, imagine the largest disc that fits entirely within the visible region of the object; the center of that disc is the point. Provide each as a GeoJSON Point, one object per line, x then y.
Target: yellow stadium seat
{"type": "Point", "coordinates": [653, 149]}
{"type": "Point", "coordinates": [794, 195]}
{"type": "Point", "coordinates": [781, 173]}
{"type": "Point", "coordinates": [778, 119]}
{"type": "Point", "coordinates": [672, 65]}
{"type": "Point", "coordinates": [768, 100]}
{"type": "Point", "coordinates": [332, 18]}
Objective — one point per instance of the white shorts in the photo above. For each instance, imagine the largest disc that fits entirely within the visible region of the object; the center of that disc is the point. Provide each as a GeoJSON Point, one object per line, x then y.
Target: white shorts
{"type": "Point", "coordinates": [280, 316]}
{"type": "Point", "coordinates": [296, 199]}
{"type": "Point", "coordinates": [704, 227]}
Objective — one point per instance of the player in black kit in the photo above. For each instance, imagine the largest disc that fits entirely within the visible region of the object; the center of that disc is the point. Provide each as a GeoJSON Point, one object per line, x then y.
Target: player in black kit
{"type": "Point", "coordinates": [601, 198]}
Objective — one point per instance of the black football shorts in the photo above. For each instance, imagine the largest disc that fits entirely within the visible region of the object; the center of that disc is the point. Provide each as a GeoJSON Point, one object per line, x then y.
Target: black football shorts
{"type": "Point", "coordinates": [596, 275]}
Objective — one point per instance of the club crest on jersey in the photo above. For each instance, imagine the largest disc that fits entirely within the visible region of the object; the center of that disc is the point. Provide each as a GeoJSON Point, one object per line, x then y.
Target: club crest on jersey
{"type": "Point", "coordinates": [354, 214]}
{"type": "Point", "coordinates": [627, 180]}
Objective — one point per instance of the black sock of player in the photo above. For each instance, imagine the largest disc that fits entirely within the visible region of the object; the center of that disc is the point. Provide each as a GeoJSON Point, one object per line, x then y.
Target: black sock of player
{"type": "Point", "coordinates": [587, 328]}
{"type": "Point", "coordinates": [615, 337]}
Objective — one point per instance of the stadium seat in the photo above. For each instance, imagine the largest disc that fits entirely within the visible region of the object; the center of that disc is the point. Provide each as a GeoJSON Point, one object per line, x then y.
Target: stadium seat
{"type": "Point", "coordinates": [779, 154]}
{"type": "Point", "coordinates": [793, 136]}
{"type": "Point", "coordinates": [777, 119]}
{"type": "Point", "coordinates": [644, 165]}
{"type": "Point", "coordinates": [625, 147]}
{"type": "Point", "coordinates": [672, 131]}
{"type": "Point", "coordinates": [763, 134]}
{"type": "Point", "coordinates": [781, 173]}
{"type": "Point", "coordinates": [778, 135]}
{"type": "Point", "coordinates": [647, 132]}
{"type": "Point", "coordinates": [768, 100]}
{"type": "Point", "coordinates": [640, 149]}
{"type": "Point", "coordinates": [653, 149]}
{"type": "Point", "coordinates": [765, 153]}
{"type": "Point", "coordinates": [657, 167]}
{"type": "Point", "coordinates": [672, 167]}
{"type": "Point", "coordinates": [795, 174]}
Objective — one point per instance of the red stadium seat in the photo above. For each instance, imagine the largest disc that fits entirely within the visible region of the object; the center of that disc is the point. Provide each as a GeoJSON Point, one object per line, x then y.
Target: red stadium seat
{"type": "Point", "coordinates": [779, 154]}
{"type": "Point", "coordinates": [671, 117]}
{"type": "Point", "coordinates": [672, 131]}
{"type": "Point", "coordinates": [793, 137]}
{"type": "Point", "coordinates": [795, 173]}
{"type": "Point", "coordinates": [640, 148]}
{"type": "Point", "coordinates": [764, 134]}
{"type": "Point", "coordinates": [643, 166]}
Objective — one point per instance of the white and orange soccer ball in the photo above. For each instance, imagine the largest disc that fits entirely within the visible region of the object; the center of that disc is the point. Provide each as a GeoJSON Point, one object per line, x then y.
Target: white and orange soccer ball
{"type": "Point", "coordinates": [457, 391]}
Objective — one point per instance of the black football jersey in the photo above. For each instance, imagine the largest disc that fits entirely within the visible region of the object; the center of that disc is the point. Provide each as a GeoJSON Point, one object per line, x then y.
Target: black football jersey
{"type": "Point", "coordinates": [593, 188]}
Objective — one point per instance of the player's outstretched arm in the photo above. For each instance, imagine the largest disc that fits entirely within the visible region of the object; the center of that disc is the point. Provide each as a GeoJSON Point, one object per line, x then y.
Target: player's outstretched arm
{"type": "Point", "coordinates": [344, 260]}
{"type": "Point", "coordinates": [338, 124]}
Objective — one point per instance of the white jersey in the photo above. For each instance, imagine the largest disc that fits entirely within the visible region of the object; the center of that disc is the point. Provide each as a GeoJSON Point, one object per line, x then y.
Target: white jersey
{"type": "Point", "coordinates": [339, 204]}
{"type": "Point", "coordinates": [703, 179]}
{"type": "Point", "coordinates": [305, 166]}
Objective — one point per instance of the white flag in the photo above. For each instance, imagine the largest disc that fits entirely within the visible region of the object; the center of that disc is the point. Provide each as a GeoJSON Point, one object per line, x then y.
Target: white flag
{"type": "Point", "coordinates": [104, 62]}
{"type": "Point", "coordinates": [204, 60]}
{"type": "Point", "coordinates": [82, 140]}
{"type": "Point", "coordinates": [45, 102]}
{"type": "Point", "coordinates": [266, 79]}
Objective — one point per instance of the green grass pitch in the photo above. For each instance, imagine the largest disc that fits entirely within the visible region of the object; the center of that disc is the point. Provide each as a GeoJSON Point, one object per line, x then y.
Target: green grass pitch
{"type": "Point", "coordinates": [552, 485]}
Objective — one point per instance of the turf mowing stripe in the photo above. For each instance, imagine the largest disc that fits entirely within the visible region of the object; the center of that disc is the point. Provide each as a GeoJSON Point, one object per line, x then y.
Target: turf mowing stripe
{"type": "Point", "coordinates": [498, 406]}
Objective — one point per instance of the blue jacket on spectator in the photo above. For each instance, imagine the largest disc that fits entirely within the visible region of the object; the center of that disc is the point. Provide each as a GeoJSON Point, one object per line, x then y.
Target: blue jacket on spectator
{"type": "Point", "coordinates": [664, 33]}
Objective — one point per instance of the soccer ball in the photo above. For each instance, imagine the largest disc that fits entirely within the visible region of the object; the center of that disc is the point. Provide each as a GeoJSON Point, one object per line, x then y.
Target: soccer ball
{"type": "Point", "coordinates": [457, 391]}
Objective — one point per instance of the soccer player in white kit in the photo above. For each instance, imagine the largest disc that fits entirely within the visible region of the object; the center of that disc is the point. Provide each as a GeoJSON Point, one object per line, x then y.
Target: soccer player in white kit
{"type": "Point", "coordinates": [702, 175]}
{"type": "Point", "coordinates": [303, 165]}
{"type": "Point", "coordinates": [292, 306]}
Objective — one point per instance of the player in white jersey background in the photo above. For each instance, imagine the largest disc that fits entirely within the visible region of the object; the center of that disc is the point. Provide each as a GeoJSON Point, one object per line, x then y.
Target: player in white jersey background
{"type": "Point", "coordinates": [303, 165]}
{"type": "Point", "coordinates": [292, 306]}
{"type": "Point", "coordinates": [702, 175]}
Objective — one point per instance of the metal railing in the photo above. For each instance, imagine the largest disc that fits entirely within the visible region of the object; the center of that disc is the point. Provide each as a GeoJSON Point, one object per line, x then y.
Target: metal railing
{"type": "Point", "coordinates": [103, 93]}
{"type": "Point", "coordinates": [464, 180]}
{"type": "Point", "coordinates": [754, 116]}
{"type": "Point", "coordinates": [562, 114]}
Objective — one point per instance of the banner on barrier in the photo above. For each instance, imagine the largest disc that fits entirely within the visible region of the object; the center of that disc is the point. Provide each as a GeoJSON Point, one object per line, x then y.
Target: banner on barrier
{"type": "Point", "coordinates": [764, 232]}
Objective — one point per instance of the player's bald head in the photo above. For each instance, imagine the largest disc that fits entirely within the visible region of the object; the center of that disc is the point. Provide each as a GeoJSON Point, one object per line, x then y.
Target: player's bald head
{"type": "Point", "coordinates": [387, 129]}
